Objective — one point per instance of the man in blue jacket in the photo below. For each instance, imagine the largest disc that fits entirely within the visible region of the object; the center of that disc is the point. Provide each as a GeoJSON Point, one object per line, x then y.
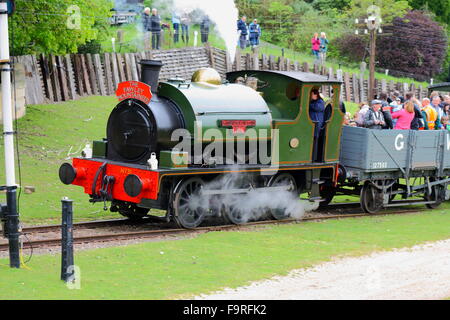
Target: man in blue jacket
{"type": "Point", "coordinates": [255, 33]}
{"type": "Point", "coordinates": [243, 32]}
{"type": "Point", "coordinates": [155, 28]}
{"type": "Point", "coordinates": [317, 115]}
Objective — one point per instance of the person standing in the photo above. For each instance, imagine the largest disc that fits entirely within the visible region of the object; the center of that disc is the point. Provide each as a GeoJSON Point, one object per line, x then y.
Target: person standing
{"type": "Point", "coordinates": [176, 27]}
{"type": "Point", "coordinates": [374, 118]}
{"type": "Point", "coordinates": [155, 28]}
{"type": "Point", "coordinates": [436, 104]}
{"type": "Point", "coordinates": [430, 115]}
{"type": "Point", "coordinates": [255, 33]}
{"type": "Point", "coordinates": [315, 47]}
{"type": "Point", "coordinates": [185, 28]}
{"type": "Point", "coordinates": [323, 48]}
{"type": "Point", "coordinates": [317, 116]}
{"type": "Point", "coordinates": [146, 27]}
{"type": "Point", "coordinates": [387, 109]}
{"type": "Point", "coordinates": [243, 32]}
{"type": "Point", "coordinates": [204, 29]}
{"type": "Point", "coordinates": [417, 121]}
{"type": "Point", "coordinates": [404, 117]}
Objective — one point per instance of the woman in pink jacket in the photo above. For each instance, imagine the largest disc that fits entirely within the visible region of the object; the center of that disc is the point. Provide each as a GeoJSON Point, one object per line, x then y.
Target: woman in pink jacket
{"type": "Point", "coordinates": [404, 116]}
{"type": "Point", "coordinates": [315, 46]}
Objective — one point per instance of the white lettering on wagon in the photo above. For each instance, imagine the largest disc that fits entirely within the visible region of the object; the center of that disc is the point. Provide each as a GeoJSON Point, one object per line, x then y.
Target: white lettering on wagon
{"type": "Point", "coordinates": [379, 165]}
{"type": "Point", "coordinates": [399, 144]}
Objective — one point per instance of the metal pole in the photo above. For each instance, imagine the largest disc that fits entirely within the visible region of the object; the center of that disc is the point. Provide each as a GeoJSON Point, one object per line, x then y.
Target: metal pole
{"type": "Point", "coordinates": [11, 215]}
{"type": "Point", "coordinates": [373, 35]}
{"type": "Point", "coordinates": [67, 274]}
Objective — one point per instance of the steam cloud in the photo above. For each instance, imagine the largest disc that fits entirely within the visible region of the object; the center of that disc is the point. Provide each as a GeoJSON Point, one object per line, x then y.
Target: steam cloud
{"type": "Point", "coordinates": [254, 205]}
{"type": "Point", "coordinates": [223, 13]}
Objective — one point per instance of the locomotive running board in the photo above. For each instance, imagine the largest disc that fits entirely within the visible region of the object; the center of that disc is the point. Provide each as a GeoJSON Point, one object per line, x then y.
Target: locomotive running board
{"type": "Point", "coordinates": [210, 192]}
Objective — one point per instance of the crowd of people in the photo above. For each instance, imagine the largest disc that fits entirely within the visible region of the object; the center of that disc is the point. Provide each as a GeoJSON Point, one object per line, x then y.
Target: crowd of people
{"type": "Point", "coordinates": [386, 112]}
{"type": "Point", "coordinates": [153, 25]}
{"type": "Point", "coordinates": [403, 113]}
{"type": "Point", "coordinates": [249, 34]}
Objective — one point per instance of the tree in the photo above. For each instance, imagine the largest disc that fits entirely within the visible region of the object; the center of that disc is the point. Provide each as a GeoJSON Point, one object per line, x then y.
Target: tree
{"type": "Point", "coordinates": [441, 8]}
{"type": "Point", "coordinates": [414, 47]}
{"type": "Point", "coordinates": [280, 25]}
{"type": "Point", "coordinates": [389, 9]}
{"type": "Point", "coordinates": [54, 26]}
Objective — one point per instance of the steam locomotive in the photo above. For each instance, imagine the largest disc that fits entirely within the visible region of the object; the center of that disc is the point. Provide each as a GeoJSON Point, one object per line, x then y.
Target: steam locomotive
{"type": "Point", "coordinates": [176, 151]}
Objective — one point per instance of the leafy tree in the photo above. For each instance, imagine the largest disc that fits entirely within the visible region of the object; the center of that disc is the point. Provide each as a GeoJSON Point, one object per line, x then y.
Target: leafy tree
{"type": "Point", "coordinates": [54, 26]}
{"type": "Point", "coordinates": [415, 46]}
{"type": "Point", "coordinates": [280, 25]}
{"type": "Point", "coordinates": [322, 5]}
{"type": "Point", "coordinates": [441, 8]}
{"type": "Point", "coordinates": [389, 9]}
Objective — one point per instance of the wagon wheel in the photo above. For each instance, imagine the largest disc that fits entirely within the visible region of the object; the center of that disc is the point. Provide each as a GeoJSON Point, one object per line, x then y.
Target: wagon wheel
{"type": "Point", "coordinates": [371, 198]}
{"type": "Point", "coordinates": [435, 195]}
{"type": "Point", "coordinates": [282, 179]}
{"type": "Point", "coordinates": [327, 192]}
{"type": "Point", "coordinates": [131, 210]}
{"type": "Point", "coordinates": [188, 212]}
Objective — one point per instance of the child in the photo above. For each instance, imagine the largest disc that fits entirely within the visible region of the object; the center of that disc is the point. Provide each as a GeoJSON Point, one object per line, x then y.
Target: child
{"type": "Point", "coordinates": [444, 123]}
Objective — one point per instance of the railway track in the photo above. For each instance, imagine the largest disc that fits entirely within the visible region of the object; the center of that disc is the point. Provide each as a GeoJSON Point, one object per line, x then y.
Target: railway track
{"type": "Point", "coordinates": [162, 229]}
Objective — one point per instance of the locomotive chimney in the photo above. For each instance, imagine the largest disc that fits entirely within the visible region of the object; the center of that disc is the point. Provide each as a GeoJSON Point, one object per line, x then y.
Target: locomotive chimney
{"type": "Point", "coordinates": [150, 73]}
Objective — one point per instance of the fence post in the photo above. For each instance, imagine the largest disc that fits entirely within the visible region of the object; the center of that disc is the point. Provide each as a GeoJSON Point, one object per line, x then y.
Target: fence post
{"type": "Point", "coordinates": [67, 241]}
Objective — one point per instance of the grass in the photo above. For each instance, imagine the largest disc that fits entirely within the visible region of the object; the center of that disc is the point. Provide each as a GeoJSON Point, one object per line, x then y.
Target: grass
{"type": "Point", "coordinates": [49, 136]}
{"type": "Point", "coordinates": [209, 262]}
{"type": "Point", "coordinates": [133, 40]}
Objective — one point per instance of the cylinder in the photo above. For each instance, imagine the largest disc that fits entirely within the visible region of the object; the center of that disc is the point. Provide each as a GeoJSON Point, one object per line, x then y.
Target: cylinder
{"type": "Point", "coordinates": [150, 73]}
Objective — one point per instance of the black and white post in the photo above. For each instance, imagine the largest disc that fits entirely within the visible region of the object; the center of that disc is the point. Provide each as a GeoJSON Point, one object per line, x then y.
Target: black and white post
{"type": "Point", "coordinates": [10, 215]}
{"type": "Point", "coordinates": [67, 267]}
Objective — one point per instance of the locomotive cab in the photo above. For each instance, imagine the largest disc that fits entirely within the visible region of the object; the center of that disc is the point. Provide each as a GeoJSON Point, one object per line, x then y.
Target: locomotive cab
{"type": "Point", "coordinates": [288, 96]}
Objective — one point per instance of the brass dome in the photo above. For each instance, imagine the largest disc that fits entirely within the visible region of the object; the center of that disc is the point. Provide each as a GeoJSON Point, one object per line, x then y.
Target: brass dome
{"type": "Point", "coordinates": [207, 75]}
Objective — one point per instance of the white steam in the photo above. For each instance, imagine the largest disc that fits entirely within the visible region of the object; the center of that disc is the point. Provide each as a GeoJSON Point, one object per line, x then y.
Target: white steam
{"type": "Point", "coordinates": [223, 13]}
{"type": "Point", "coordinates": [251, 206]}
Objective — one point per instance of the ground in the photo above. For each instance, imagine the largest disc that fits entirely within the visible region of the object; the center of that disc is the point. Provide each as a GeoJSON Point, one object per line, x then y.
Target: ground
{"type": "Point", "coordinates": [421, 272]}
{"type": "Point", "coordinates": [174, 269]}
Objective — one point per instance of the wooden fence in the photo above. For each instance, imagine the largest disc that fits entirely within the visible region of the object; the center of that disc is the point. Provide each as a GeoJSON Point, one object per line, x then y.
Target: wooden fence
{"type": "Point", "coordinates": [61, 78]}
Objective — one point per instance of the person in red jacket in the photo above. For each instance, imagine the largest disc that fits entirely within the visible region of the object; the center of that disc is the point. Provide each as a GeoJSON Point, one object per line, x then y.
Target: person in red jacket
{"type": "Point", "coordinates": [315, 46]}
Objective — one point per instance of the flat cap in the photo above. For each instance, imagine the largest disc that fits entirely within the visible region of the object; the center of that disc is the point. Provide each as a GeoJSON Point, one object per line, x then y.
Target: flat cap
{"type": "Point", "coordinates": [376, 102]}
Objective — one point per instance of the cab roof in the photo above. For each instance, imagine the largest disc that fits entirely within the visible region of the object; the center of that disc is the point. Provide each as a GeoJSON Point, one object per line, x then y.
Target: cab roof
{"type": "Point", "coordinates": [445, 86]}
{"type": "Point", "coordinates": [306, 77]}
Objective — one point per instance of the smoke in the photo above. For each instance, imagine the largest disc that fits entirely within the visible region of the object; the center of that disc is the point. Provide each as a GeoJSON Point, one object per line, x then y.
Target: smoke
{"type": "Point", "coordinates": [251, 206]}
{"type": "Point", "coordinates": [223, 13]}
